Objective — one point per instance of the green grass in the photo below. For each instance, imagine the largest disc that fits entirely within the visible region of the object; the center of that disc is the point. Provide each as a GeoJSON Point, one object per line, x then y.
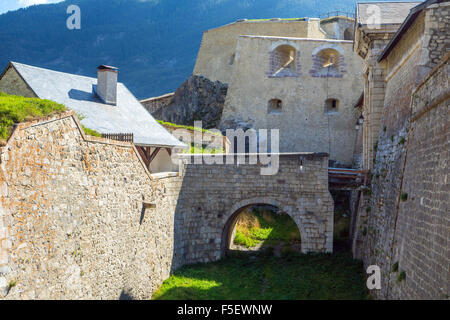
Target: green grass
{"type": "Point", "coordinates": [15, 109]}
{"type": "Point", "coordinates": [273, 228]}
{"type": "Point", "coordinates": [91, 132]}
{"type": "Point", "coordinates": [203, 149]}
{"type": "Point", "coordinates": [292, 277]}
{"type": "Point", "coordinates": [180, 126]}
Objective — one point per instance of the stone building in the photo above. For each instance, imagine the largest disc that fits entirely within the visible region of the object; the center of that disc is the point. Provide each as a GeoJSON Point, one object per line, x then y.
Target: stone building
{"type": "Point", "coordinates": [300, 76]}
{"type": "Point", "coordinates": [103, 104]}
{"type": "Point", "coordinates": [402, 223]}
{"type": "Point", "coordinates": [371, 36]}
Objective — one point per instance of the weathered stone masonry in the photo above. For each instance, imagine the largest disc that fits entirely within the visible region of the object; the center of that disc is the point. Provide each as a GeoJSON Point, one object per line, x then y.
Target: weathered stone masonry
{"type": "Point", "coordinates": [407, 222]}
{"type": "Point", "coordinates": [403, 220]}
{"type": "Point", "coordinates": [76, 226]}
{"type": "Point", "coordinates": [422, 237]}
{"type": "Point", "coordinates": [82, 218]}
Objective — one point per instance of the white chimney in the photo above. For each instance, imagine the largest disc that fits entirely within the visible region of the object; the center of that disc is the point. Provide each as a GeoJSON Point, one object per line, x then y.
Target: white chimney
{"type": "Point", "coordinates": [107, 84]}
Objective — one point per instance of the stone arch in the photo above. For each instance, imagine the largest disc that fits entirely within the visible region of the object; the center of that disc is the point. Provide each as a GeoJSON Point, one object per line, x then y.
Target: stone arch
{"type": "Point", "coordinates": [229, 221]}
{"type": "Point", "coordinates": [348, 34]}
{"type": "Point", "coordinates": [329, 61]}
{"type": "Point", "coordinates": [284, 61]}
{"type": "Point", "coordinates": [328, 46]}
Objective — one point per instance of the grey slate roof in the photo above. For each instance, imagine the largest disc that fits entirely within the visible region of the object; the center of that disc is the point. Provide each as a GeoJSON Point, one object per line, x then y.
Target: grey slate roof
{"type": "Point", "coordinates": [76, 93]}
{"type": "Point", "coordinates": [390, 12]}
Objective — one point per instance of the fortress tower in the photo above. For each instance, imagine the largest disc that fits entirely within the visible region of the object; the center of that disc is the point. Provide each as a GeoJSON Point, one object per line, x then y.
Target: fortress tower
{"type": "Point", "coordinates": [300, 76]}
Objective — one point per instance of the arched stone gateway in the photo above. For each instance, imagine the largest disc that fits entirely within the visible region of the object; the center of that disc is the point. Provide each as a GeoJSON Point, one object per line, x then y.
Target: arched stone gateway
{"type": "Point", "coordinates": [212, 195]}
{"type": "Point", "coordinates": [237, 209]}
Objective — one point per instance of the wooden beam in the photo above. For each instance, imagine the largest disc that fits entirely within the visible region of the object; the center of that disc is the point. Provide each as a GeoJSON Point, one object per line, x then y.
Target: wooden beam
{"type": "Point", "coordinates": [143, 155]}
{"type": "Point", "coordinates": [148, 153]}
{"type": "Point", "coordinates": [154, 154]}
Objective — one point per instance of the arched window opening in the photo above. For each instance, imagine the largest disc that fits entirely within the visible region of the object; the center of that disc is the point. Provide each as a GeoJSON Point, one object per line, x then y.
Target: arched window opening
{"type": "Point", "coordinates": [331, 106]}
{"type": "Point", "coordinates": [329, 58]}
{"type": "Point", "coordinates": [284, 62]}
{"type": "Point", "coordinates": [260, 227]}
{"type": "Point", "coordinates": [348, 34]}
{"type": "Point", "coordinates": [275, 106]}
{"type": "Point", "coordinates": [327, 64]}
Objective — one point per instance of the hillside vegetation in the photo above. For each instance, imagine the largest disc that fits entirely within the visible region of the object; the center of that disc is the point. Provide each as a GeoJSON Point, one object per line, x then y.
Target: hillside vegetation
{"type": "Point", "coordinates": [154, 43]}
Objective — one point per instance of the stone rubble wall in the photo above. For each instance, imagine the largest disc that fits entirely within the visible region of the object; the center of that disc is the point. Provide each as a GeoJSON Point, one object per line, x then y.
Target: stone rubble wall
{"type": "Point", "coordinates": [155, 105]}
{"type": "Point", "coordinates": [72, 210]}
{"type": "Point", "coordinates": [437, 34]}
{"type": "Point", "coordinates": [197, 99]}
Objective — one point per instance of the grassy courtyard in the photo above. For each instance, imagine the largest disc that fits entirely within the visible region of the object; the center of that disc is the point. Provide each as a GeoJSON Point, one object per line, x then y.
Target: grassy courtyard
{"type": "Point", "coordinates": [276, 271]}
{"type": "Point", "coordinates": [263, 276]}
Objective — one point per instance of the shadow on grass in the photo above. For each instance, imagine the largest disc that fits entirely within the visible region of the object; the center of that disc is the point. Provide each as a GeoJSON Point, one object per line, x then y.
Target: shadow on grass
{"type": "Point", "coordinates": [265, 277]}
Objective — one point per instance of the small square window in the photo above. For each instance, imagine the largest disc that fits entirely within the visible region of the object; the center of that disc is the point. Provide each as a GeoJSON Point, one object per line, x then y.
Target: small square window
{"type": "Point", "coordinates": [331, 106]}
{"type": "Point", "coordinates": [275, 106]}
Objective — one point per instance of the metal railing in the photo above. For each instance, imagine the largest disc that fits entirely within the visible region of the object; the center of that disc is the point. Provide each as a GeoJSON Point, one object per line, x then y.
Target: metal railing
{"type": "Point", "coordinates": [337, 13]}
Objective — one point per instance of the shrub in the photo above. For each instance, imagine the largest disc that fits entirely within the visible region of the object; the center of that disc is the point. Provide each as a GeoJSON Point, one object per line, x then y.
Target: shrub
{"type": "Point", "coordinates": [395, 267]}
{"type": "Point", "coordinates": [404, 196]}
{"type": "Point", "coordinates": [12, 284]}
{"type": "Point", "coordinates": [180, 126]}
{"type": "Point", "coordinates": [401, 276]}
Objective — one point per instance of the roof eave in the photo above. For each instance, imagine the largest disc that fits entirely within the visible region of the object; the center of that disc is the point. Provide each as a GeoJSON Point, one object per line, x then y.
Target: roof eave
{"type": "Point", "coordinates": [161, 145]}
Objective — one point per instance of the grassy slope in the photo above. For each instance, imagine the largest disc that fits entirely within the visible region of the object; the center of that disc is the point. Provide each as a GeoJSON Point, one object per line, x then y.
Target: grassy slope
{"type": "Point", "coordinates": [180, 126]}
{"type": "Point", "coordinates": [204, 150]}
{"type": "Point", "coordinates": [271, 228]}
{"type": "Point", "coordinates": [16, 109]}
{"type": "Point", "coordinates": [291, 277]}
{"type": "Point", "coordinates": [196, 149]}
